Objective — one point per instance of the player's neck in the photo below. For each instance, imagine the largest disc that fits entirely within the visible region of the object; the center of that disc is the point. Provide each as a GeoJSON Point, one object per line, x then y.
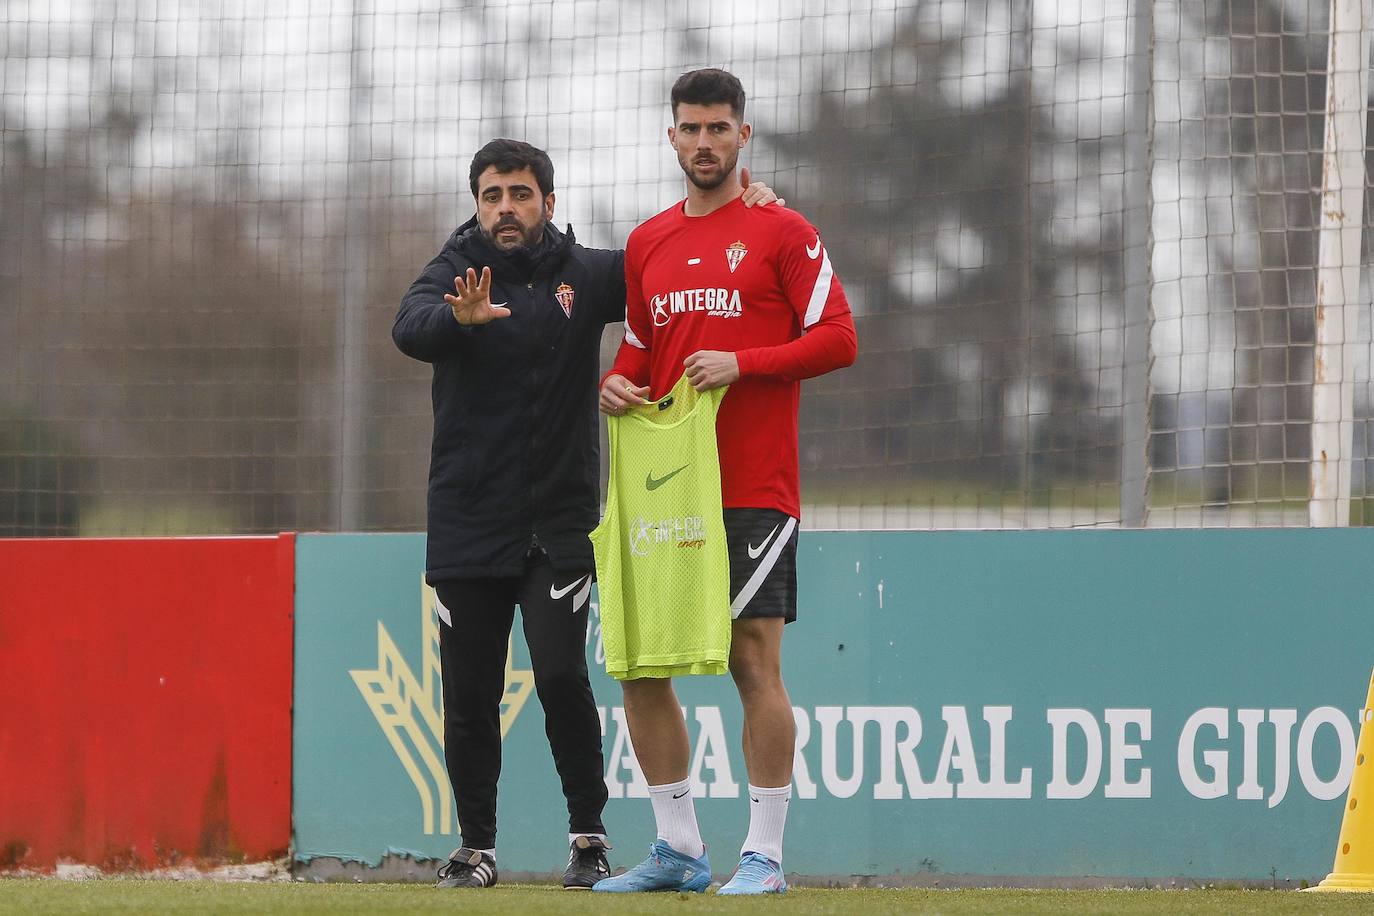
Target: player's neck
{"type": "Point", "coordinates": [703, 203]}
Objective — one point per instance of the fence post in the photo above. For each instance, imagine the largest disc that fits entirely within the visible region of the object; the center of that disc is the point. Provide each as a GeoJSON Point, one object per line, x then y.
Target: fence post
{"type": "Point", "coordinates": [1338, 264]}
{"type": "Point", "coordinates": [1136, 242]}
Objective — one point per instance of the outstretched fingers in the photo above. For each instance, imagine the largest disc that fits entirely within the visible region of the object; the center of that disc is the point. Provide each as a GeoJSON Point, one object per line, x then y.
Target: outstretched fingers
{"type": "Point", "coordinates": [471, 298]}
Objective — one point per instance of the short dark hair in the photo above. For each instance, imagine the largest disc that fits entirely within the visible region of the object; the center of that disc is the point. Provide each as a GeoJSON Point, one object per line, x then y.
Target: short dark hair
{"type": "Point", "coordinates": [709, 87]}
{"type": "Point", "coordinates": [511, 156]}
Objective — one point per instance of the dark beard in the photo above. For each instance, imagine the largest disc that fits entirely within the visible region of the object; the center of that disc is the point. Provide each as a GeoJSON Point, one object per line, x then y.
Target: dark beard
{"type": "Point", "coordinates": [709, 185]}
{"type": "Point", "coordinates": [727, 171]}
{"type": "Point", "coordinates": [529, 241]}
{"type": "Point", "coordinates": [525, 256]}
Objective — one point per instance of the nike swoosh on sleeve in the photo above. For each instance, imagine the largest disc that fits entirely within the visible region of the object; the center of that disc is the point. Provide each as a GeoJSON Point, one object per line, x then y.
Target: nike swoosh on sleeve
{"type": "Point", "coordinates": [814, 252]}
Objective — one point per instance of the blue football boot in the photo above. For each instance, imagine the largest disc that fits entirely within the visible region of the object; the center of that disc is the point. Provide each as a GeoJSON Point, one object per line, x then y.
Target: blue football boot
{"type": "Point", "coordinates": [666, 869]}
{"type": "Point", "coordinates": [756, 874]}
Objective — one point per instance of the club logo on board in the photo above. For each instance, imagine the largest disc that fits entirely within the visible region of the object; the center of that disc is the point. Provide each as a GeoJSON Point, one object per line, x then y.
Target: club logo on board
{"type": "Point", "coordinates": [408, 706]}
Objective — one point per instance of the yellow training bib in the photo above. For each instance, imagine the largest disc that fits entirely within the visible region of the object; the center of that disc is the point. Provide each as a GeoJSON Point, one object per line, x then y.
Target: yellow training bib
{"type": "Point", "coordinates": [662, 565]}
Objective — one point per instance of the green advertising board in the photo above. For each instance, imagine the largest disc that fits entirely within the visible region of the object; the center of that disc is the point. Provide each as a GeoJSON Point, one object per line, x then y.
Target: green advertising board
{"type": "Point", "coordinates": [1052, 704]}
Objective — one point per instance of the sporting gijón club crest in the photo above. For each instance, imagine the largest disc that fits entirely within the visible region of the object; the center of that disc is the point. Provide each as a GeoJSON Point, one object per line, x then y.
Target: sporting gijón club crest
{"type": "Point", "coordinates": [564, 295]}
{"type": "Point", "coordinates": [734, 254]}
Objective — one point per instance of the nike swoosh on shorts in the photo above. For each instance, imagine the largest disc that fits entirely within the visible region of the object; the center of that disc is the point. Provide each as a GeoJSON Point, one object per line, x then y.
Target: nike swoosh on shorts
{"type": "Point", "coordinates": [755, 551]}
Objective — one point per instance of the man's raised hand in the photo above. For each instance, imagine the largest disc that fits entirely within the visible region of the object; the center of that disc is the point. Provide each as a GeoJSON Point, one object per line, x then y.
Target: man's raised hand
{"type": "Point", "coordinates": [472, 304]}
{"type": "Point", "coordinates": [757, 194]}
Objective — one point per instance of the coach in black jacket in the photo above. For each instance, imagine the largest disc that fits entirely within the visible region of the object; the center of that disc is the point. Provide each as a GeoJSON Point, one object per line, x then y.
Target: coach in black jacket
{"type": "Point", "coordinates": [510, 314]}
{"type": "Point", "coordinates": [514, 463]}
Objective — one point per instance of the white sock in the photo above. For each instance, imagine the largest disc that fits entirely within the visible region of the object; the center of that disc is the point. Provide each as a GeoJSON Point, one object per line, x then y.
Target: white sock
{"type": "Point", "coordinates": [676, 817]}
{"type": "Point", "coordinates": [491, 852]}
{"type": "Point", "coordinates": [767, 820]}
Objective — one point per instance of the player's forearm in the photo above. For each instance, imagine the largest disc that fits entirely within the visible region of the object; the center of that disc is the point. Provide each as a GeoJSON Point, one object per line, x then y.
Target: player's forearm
{"type": "Point", "coordinates": [828, 346]}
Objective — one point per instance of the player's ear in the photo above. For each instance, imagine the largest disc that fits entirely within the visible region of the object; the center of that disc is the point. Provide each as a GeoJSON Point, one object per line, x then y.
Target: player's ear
{"type": "Point", "coordinates": [672, 137]}
{"type": "Point", "coordinates": [548, 206]}
{"type": "Point", "coordinates": [745, 132]}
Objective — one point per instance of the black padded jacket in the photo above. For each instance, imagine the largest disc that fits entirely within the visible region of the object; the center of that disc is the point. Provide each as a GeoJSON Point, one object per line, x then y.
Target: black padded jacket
{"type": "Point", "coordinates": [514, 462]}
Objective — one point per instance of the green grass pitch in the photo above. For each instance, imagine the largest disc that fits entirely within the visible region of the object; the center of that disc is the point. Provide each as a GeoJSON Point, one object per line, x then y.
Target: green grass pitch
{"type": "Point", "coordinates": [128, 896]}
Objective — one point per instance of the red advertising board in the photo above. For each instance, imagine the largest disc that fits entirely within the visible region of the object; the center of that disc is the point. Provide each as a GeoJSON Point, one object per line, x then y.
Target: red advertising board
{"type": "Point", "coordinates": [145, 701]}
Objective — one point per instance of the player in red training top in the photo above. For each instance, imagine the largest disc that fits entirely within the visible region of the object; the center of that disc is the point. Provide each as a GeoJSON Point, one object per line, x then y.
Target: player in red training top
{"type": "Point", "coordinates": [745, 298]}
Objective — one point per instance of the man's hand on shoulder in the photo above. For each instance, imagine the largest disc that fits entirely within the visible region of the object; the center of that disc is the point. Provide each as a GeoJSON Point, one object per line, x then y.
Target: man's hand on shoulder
{"type": "Point", "coordinates": [707, 369]}
{"type": "Point", "coordinates": [757, 194]}
{"type": "Point", "coordinates": [472, 304]}
{"type": "Point", "coordinates": [619, 394]}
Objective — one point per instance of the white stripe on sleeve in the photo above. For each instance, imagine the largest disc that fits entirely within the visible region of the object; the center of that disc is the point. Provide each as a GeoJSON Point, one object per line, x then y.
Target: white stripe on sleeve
{"type": "Point", "coordinates": [820, 292]}
{"type": "Point", "coordinates": [634, 341]}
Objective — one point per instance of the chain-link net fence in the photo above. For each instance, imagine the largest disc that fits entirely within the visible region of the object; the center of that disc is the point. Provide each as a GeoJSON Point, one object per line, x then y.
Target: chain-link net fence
{"type": "Point", "coordinates": [1080, 239]}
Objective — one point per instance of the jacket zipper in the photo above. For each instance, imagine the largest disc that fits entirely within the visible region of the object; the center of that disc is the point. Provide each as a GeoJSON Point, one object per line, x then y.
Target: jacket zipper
{"type": "Point", "coordinates": [535, 546]}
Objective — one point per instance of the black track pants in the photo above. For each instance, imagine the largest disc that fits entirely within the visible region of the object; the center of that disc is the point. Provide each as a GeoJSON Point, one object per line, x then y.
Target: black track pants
{"type": "Point", "coordinates": [553, 610]}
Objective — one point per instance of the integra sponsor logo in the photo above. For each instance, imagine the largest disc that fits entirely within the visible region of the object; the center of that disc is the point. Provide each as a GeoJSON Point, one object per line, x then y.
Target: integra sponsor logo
{"type": "Point", "coordinates": [682, 531]}
{"type": "Point", "coordinates": [714, 301]}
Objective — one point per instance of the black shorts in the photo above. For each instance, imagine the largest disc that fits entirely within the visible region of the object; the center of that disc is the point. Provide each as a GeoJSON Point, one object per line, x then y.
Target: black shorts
{"type": "Point", "coordinates": [763, 563]}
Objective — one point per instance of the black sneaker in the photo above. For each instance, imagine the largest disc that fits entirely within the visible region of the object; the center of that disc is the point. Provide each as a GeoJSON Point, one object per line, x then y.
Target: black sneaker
{"type": "Point", "coordinates": [467, 868]}
{"type": "Point", "coordinates": [586, 863]}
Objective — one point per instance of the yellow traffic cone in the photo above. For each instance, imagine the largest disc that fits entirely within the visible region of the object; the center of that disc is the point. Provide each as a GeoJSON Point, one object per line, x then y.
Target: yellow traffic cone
{"type": "Point", "coordinates": [1354, 868]}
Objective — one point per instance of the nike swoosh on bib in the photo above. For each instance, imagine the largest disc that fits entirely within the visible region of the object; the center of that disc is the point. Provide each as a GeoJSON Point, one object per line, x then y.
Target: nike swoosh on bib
{"type": "Point", "coordinates": [755, 551]}
{"type": "Point", "coordinates": [653, 483]}
{"type": "Point", "coordinates": [556, 593]}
